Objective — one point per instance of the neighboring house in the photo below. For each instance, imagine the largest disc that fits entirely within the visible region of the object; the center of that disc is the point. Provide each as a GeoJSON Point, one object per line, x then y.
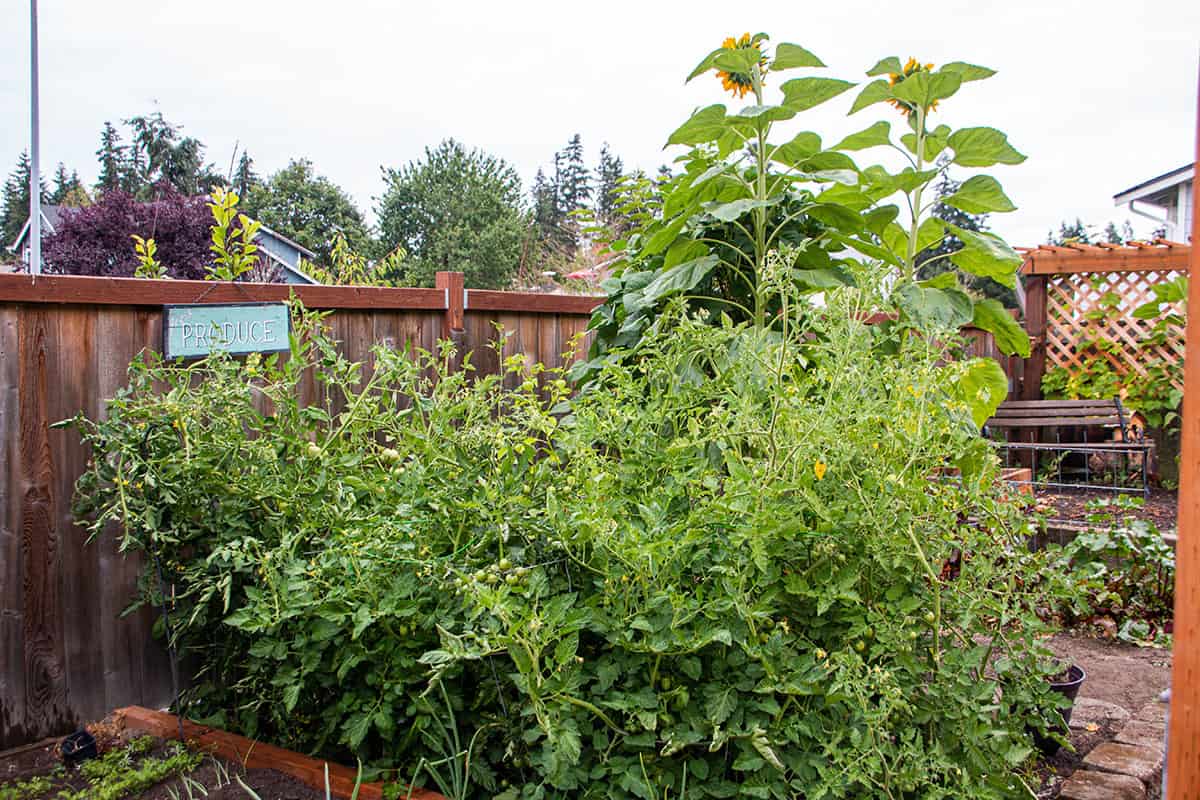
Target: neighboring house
{"type": "Point", "coordinates": [285, 253]}
{"type": "Point", "coordinates": [50, 217]}
{"type": "Point", "coordinates": [1166, 199]}
{"type": "Point", "coordinates": [277, 249]}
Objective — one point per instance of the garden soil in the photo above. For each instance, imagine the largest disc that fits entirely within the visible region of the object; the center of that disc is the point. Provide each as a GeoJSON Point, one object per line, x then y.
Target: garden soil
{"type": "Point", "coordinates": [23, 763]}
{"type": "Point", "coordinates": [1071, 505]}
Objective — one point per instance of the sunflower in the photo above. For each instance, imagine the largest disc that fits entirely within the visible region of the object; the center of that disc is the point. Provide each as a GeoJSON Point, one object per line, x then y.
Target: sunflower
{"type": "Point", "coordinates": [740, 83]}
{"type": "Point", "coordinates": [911, 67]}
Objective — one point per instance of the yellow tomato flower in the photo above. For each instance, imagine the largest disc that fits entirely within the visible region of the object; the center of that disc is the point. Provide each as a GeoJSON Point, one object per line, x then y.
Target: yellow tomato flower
{"type": "Point", "coordinates": [819, 469]}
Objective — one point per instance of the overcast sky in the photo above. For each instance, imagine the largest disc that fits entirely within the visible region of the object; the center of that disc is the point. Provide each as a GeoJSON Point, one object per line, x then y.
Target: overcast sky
{"type": "Point", "coordinates": [1099, 94]}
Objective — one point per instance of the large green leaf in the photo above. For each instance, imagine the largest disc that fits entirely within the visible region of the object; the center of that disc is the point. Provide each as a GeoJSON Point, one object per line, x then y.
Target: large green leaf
{"type": "Point", "coordinates": [663, 236]}
{"type": "Point", "coordinates": [680, 278]}
{"type": "Point", "coordinates": [930, 233]}
{"type": "Point", "coordinates": [982, 147]}
{"type": "Point", "coordinates": [804, 145]}
{"type": "Point", "coordinates": [706, 63]}
{"type": "Point", "coordinates": [992, 316]}
{"type": "Point", "coordinates": [764, 113]}
{"type": "Point", "coordinates": [805, 93]}
{"type": "Point", "coordinates": [683, 250]}
{"type": "Point", "coordinates": [982, 386]}
{"type": "Point", "coordinates": [934, 309]}
{"type": "Point", "coordinates": [821, 279]}
{"type": "Point", "coordinates": [980, 194]}
{"type": "Point", "coordinates": [728, 212]}
{"type": "Point", "coordinates": [836, 216]}
{"type": "Point", "coordinates": [886, 66]}
{"type": "Point", "coordinates": [790, 56]}
{"type": "Point", "coordinates": [874, 92]}
{"type": "Point", "coordinates": [968, 72]}
{"type": "Point", "coordinates": [874, 136]}
{"type": "Point", "coordinates": [986, 255]}
{"type": "Point", "coordinates": [934, 143]}
{"type": "Point", "coordinates": [923, 89]}
{"type": "Point", "coordinates": [706, 125]}
{"type": "Point", "coordinates": [737, 60]}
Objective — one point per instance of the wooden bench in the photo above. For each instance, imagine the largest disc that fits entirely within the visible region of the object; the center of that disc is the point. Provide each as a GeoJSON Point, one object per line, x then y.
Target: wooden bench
{"type": "Point", "coordinates": [1037, 418]}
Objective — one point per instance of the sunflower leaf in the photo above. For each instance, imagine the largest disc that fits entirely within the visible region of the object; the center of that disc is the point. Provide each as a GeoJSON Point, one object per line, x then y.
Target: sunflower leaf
{"type": "Point", "coordinates": [790, 56]}
{"type": "Point", "coordinates": [874, 136]}
{"type": "Point", "coordinates": [982, 147]}
{"type": "Point", "coordinates": [706, 125]}
{"type": "Point", "coordinates": [874, 92]}
{"type": "Point", "coordinates": [968, 72]}
{"type": "Point", "coordinates": [805, 93]}
{"type": "Point", "coordinates": [705, 65]}
{"type": "Point", "coordinates": [885, 66]}
{"type": "Point", "coordinates": [980, 194]}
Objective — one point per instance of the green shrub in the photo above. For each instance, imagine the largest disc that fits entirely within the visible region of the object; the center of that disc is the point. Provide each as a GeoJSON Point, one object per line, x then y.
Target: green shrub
{"type": "Point", "coordinates": [731, 563]}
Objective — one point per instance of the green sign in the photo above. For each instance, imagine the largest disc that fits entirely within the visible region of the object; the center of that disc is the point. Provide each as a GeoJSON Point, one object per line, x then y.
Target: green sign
{"type": "Point", "coordinates": [197, 330]}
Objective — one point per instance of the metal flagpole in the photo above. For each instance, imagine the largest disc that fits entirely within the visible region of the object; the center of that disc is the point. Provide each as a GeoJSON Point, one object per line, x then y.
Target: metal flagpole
{"type": "Point", "coordinates": [35, 175]}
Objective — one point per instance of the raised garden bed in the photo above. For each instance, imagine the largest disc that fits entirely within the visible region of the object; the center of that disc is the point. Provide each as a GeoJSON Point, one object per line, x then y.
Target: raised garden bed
{"type": "Point", "coordinates": [141, 738]}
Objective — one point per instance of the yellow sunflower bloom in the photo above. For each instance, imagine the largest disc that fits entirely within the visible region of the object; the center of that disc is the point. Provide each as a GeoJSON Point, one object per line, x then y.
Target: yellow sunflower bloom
{"type": "Point", "coordinates": [911, 67]}
{"type": "Point", "coordinates": [738, 83]}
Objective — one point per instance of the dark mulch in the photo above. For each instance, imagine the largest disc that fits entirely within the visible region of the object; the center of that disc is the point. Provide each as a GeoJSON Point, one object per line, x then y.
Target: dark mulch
{"type": "Point", "coordinates": [1071, 505]}
{"type": "Point", "coordinates": [21, 764]}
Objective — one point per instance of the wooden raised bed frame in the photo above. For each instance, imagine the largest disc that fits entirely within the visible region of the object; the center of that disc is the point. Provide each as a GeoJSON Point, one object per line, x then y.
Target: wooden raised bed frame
{"type": "Point", "coordinates": [256, 755]}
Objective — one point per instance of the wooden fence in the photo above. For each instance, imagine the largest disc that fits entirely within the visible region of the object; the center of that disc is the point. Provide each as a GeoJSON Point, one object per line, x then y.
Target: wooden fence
{"type": "Point", "coordinates": [66, 655]}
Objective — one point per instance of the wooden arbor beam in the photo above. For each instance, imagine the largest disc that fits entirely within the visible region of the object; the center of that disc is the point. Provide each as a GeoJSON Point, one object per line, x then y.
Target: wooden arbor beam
{"type": "Point", "coordinates": [1183, 754]}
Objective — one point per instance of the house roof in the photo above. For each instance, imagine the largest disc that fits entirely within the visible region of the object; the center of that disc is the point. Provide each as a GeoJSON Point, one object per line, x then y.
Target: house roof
{"type": "Point", "coordinates": [1157, 190]}
{"type": "Point", "coordinates": [304, 251]}
{"type": "Point", "coordinates": [51, 216]}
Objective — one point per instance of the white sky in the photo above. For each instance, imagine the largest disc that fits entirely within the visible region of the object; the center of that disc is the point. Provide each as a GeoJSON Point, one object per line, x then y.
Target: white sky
{"type": "Point", "coordinates": [1099, 94]}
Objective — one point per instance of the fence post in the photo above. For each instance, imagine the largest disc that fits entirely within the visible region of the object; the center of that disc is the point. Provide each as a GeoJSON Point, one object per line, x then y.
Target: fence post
{"type": "Point", "coordinates": [1035, 326]}
{"type": "Point", "coordinates": [452, 322]}
{"type": "Point", "coordinates": [1183, 751]}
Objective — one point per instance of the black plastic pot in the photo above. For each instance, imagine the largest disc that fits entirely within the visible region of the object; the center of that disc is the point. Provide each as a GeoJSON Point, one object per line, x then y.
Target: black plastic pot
{"type": "Point", "coordinates": [1069, 689]}
{"type": "Point", "coordinates": [78, 747]}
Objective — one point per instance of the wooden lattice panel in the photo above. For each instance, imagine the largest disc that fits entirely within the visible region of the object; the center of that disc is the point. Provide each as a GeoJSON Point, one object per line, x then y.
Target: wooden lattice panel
{"type": "Point", "coordinates": [1076, 314]}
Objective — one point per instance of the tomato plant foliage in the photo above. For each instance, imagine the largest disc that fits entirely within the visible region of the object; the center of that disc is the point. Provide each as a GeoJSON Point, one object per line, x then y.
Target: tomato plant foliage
{"type": "Point", "coordinates": [764, 554]}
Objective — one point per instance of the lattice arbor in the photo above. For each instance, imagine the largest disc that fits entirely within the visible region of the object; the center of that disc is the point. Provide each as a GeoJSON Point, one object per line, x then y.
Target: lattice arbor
{"type": "Point", "coordinates": [1085, 296]}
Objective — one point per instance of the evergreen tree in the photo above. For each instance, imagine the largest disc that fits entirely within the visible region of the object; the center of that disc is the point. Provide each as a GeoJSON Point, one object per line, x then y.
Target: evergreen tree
{"type": "Point", "coordinates": [545, 207]}
{"type": "Point", "coordinates": [160, 154]}
{"type": "Point", "coordinates": [16, 201]}
{"type": "Point", "coordinates": [244, 177]}
{"type": "Point", "coordinates": [112, 157]}
{"type": "Point", "coordinates": [608, 175]}
{"type": "Point", "coordinates": [1070, 233]}
{"type": "Point", "coordinates": [572, 178]}
{"type": "Point", "coordinates": [68, 189]}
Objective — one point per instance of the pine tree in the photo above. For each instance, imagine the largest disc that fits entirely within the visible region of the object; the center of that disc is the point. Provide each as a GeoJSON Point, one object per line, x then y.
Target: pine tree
{"type": "Point", "coordinates": [68, 189]}
{"type": "Point", "coordinates": [608, 175]}
{"type": "Point", "coordinates": [244, 177]}
{"type": "Point", "coordinates": [16, 200]}
{"type": "Point", "coordinates": [545, 207]}
{"type": "Point", "coordinates": [572, 177]}
{"type": "Point", "coordinates": [112, 160]}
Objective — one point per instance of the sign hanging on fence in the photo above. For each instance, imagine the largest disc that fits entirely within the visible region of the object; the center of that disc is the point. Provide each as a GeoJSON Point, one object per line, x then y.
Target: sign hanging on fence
{"type": "Point", "coordinates": [194, 331]}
